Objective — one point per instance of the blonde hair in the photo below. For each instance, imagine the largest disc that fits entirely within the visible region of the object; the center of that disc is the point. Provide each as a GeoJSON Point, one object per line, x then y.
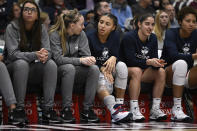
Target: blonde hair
{"type": "Point", "coordinates": [62, 24]}
{"type": "Point", "coordinates": [43, 16]}
{"type": "Point", "coordinates": [158, 29]}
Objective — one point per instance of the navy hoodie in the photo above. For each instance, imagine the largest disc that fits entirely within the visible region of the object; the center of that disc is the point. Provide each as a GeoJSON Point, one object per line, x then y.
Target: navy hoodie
{"type": "Point", "coordinates": [103, 51]}
{"type": "Point", "coordinates": [177, 48]}
{"type": "Point", "coordinates": [135, 53]}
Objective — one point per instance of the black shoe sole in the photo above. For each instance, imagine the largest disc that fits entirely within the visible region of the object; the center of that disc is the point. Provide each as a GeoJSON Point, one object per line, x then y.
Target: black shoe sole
{"type": "Point", "coordinates": [139, 120]}
{"type": "Point", "coordinates": [186, 120]}
{"type": "Point", "coordinates": [69, 121]}
{"type": "Point", "coordinates": [160, 118]}
{"type": "Point", "coordinates": [51, 122]}
{"type": "Point", "coordinates": [89, 120]}
{"type": "Point", "coordinates": [18, 124]}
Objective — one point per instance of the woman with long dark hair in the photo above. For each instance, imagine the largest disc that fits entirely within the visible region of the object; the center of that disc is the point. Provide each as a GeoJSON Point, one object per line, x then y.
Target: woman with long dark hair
{"type": "Point", "coordinates": [104, 45]}
{"type": "Point", "coordinates": [139, 52]}
{"type": "Point", "coordinates": [28, 58]}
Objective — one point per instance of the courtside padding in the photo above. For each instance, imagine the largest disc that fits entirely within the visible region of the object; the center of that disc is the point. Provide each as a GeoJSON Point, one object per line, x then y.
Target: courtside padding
{"type": "Point", "coordinates": [34, 98]}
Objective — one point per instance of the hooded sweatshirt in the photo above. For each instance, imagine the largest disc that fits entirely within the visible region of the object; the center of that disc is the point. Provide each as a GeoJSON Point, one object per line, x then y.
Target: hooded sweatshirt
{"type": "Point", "coordinates": [12, 38]}
{"type": "Point", "coordinates": [103, 51]}
{"type": "Point", "coordinates": [76, 47]}
{"type": "Point", "coordinates": [134, 52]}
{"type": "Point", "coordinates": [177, 48]}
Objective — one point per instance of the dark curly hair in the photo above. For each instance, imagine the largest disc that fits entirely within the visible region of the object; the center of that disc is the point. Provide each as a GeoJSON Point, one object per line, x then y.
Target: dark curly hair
{"type": "Point", "coordinates": [185, 11]}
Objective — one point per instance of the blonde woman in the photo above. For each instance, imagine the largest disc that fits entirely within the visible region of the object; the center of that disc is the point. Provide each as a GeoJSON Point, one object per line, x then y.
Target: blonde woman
{"type": "Point", "coordinates": [71, 53]}
{"type": "Point", "coordinates": [162, 22]}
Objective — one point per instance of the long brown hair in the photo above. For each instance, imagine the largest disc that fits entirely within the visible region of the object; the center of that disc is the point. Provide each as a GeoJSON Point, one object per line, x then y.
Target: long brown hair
{"type": "Point", "coordinates": [62, 24]}
{"type": "Point", "coordinates": [35, 32]}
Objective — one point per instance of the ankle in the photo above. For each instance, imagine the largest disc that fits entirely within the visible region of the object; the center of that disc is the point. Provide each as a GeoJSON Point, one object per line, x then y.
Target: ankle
{"type": "Point", "coordinates": [119, 100]}
{"type": "Point", "coordinates": [12, 106]}
{"type": "Point", "coordinates": [176, 106]}
{"type": "Point", "coordinates": [133, 104]}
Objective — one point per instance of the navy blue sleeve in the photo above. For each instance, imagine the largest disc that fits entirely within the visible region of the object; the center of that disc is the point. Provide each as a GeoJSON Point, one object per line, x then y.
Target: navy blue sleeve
{"type": "Point", "coordinates": [90, 46]}
{"type": "Point", "coordinates": [154, 49]}
{"type": "Point", "coordinates": [155, 46]}
{"type": "Point", "coordinates": [115, 41]}
{"type": "Point", "coordinates": [171, 49]}
{"type": "Point", "coordinates": [128, 50]}
{"type": "Point", "coordinates": [90, 36]}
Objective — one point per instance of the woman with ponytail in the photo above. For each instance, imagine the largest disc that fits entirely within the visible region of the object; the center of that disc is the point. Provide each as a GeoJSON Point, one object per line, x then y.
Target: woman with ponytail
{"type": "Point", "coordinates": [71, 53]}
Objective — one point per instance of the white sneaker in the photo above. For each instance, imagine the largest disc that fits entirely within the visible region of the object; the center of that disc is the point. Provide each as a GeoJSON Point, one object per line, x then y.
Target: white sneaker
{"type": "Point", "coordinates": [157, 114]}
{"type": "Point", "coordinates": [178, 115]}
{"type": "Point", "coordinates": [137, 115]}
{"type": "Point", "coordinates": [120, 115]}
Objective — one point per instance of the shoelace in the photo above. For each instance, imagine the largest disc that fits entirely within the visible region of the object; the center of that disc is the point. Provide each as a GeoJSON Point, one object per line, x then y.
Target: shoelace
{"type": "Point", "coordinates": [118, 109]}
{"type": "Point", "coordinates": [159, 111]}
{"type": "Point", "coordinates": [179, 111]}
{"type": "Point", "coordinates": [91, 112]}
{"type": "Point", "coordinates": [52, 114]}
{"type": "Point", "coordinates": [137, 111]}
{"type": "Point", "coordinates": [19, 112]}
{"type": "Point", "coordinates": [67, 110]}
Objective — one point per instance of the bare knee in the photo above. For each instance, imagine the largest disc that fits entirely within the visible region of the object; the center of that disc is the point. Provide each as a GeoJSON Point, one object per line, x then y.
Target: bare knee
{"type": "Point", "coordinates": [135, 73]}
{"type": "Point", "coordinates": [161, 74]}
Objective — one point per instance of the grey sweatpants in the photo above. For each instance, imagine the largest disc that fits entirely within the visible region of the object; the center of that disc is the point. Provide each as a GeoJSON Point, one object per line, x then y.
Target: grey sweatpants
{"type": "Point", "coordinates": [35, 73]}
{"type": "Point", "coordinates": [6, 87]}
{"type": "Point", "coordinates": [69, 73]}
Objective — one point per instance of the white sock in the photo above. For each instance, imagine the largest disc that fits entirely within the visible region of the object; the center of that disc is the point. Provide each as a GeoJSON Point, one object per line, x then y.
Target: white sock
{"type": "Point", "coordinates": [119, 100]}
{"type": "Point", "coordinates": [109, 101]}
{"type": "Point", "coordinates": [156, 103]}
{"type": "Point", "coordinates": [133, 104]}
{"type": "Point", "coordinates": [177, 102]}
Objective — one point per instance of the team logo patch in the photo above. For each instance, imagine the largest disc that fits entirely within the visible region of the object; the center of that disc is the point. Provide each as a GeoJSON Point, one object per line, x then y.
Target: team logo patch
{"type": "Point", "coordinates": [143, 54]}
{"type": "Point", "coordinates": [144, 50]}
{"type": "Point", "coordinates": [186, 48]}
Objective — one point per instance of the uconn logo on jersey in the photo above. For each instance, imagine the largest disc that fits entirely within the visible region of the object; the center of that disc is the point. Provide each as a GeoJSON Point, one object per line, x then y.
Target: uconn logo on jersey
{"type": "Point", "coordinates": [104, 56]}
{"type": "Point", "coordinates": [144, 52]}
{"type": "Point", "coordinates": [186, 49]}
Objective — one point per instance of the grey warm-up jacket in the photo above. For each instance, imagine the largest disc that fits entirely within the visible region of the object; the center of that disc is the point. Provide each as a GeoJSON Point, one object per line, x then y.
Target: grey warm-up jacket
{"type": "Point", "coordinates": [76, 47]}
{"type": "Point", "coordinates": [13, 40]}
